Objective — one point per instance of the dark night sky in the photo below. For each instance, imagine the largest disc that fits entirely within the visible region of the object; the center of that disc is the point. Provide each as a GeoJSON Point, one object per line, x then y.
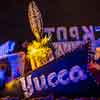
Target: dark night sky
{"type": "Point", "coordinates": [14, 23]}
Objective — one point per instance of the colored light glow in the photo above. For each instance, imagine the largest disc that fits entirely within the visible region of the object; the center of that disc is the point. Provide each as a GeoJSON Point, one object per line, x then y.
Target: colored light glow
{"type": "Point", "coordinates": [6, 48]}
{"type": "Point", "coordinates": [38, 53]}
{"type": "Point", "coordinates": [97, 28]}
{"type": "Point", "coordinates": [2, 74]}
{"type": "Point", "coordinates": [16, 61]}
{"type": "Point", "coordinates": [35, 20]}
{"type": "Point", "coordinates": [2, 78]}
{"type": "Point", "coordinates": [10, 86]}
{"type": "Point", "coordinates": [52, 80]}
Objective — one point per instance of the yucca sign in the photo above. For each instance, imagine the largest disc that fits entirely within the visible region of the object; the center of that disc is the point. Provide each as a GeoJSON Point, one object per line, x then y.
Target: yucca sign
{"type": "Point", "coordinates": [63, 77]}
{"type": "Point", "coordinates": [52, 80]}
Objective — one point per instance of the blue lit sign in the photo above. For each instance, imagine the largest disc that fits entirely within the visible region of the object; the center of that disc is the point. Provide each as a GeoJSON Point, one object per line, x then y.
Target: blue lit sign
{"type": "Point", "coordinates": [2, 77]}
{"type": "Point", "coordinates": [97, 28]}
{"type": "Point", "coordinates": [66, 76]}
{"type": "Point", "coordinates": [7, 48]}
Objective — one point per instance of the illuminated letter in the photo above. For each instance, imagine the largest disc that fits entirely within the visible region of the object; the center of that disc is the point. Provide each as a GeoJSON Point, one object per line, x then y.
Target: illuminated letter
{"type": "Point", "coordinates": [79, 74]}
{"type": "Point", "coordinates": [61, 77]}
{"type": "Point", "coordinates": [74, 33]}
{"type": "Point", "coordinates": [7, 47]}
{"type": "Point", "coordinates": [58, 49]}
{"type": "Point", "coordinates": [37, 84]}
{"type": "Point", "coordinates": [61, 31]}
{"type": "Point", "coordinates": [11, 46]}
{"type": "Point", "coordinates": [49, 30]}
{"type": "Point", "coordinates": [51, 79]}
{"type": "Point", "coordinates": [88, 33]}
{"type": "Point", "coordinates": [28, 89]}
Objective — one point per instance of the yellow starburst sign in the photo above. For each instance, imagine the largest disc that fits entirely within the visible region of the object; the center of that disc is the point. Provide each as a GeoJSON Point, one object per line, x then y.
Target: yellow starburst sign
{"type": "Point", "coordinates": [38, 51]}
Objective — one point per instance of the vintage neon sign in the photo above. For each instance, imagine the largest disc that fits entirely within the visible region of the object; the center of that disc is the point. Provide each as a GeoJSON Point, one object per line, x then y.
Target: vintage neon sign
{"type": "Point", "coordinates": [63, 77]}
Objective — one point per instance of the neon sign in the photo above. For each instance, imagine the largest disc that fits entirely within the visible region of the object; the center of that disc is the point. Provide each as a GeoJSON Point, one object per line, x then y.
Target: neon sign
{"type": "Point", "coordinates": [6, 48]}
{"type": "Point", "coordinates": [63, 33]}
{"type": "Point", "coordinates": [66, 76]}
{"type": "Point", "coordinates": [63, 77]}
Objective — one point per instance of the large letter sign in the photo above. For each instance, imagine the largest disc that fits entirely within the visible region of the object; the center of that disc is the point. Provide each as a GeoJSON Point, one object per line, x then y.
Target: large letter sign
{"type": "Point", "coordinates": [66, 76]}
{"type": "Point", "coordinates": [63, 77]}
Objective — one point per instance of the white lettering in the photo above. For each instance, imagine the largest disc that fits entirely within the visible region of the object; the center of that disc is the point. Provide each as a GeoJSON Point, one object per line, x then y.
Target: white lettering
{"type": "Point", "coordinates": [61, 32]}
{"type": "Point", "coordinates": [63, 77]}
{"type": "Point", "coordinates": [71, 33]}
{"type": "Point", "coordinates": [43, 85]}
{"type": "Point", "coordinates": [52, 82]}
{"type": "Point", "coordinates": [63, 73]}
{"type": "Point", "coordinates": [74, 33]}
{"type": "Point", "coordinates": [88, 33]}
{"type": "Point", "coordinates": [76, 74]}
{"type": "Point", "coordinates": [49, 30]}
{"type": "Point", "coordinates": [28, 89]}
